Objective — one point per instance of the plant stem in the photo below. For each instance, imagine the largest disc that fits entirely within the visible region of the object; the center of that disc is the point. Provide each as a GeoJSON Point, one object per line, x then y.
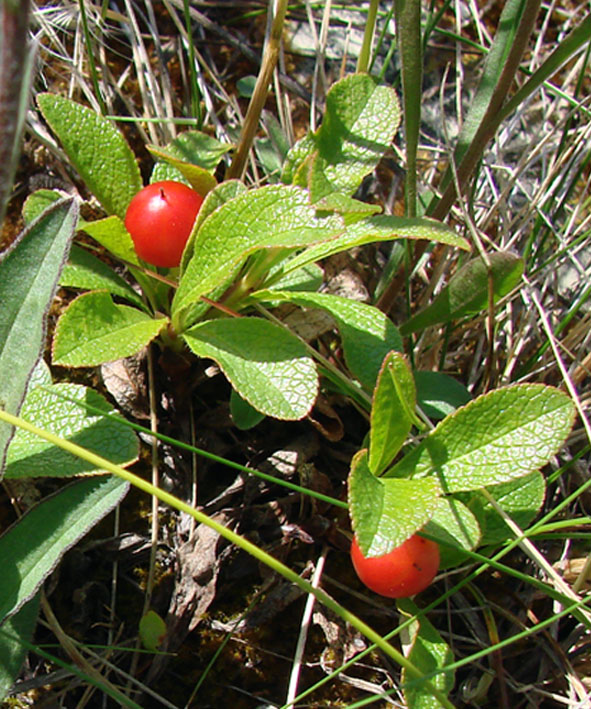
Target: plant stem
{"type": "Point", "coordinates": [408, 32]}
{"type": "Point", "coordinates": [370, 26]}
{"type": "Point", "coordinates": [90, 57]}
{"type": "Point", "coordinates": [259, 96]}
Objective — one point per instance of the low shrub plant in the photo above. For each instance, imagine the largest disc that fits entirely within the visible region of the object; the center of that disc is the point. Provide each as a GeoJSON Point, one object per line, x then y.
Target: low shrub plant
{"type": "Point", "coordinates": [204, 268]}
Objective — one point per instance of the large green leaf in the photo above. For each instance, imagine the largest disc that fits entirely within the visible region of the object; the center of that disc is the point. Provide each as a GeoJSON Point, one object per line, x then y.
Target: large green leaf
{"type": "Point", "coordinates": [31, 548]}
{"type": "Point", "coordinates": [94, 329]}
{"type": "Point", "coordinates": [61, 409]}
{"type": "Point", "coordinates": [380, 227]}
{"type": "Point", "coordinates": [367, 334]}
{"type": "Point", "coordinates": [269, 217]}
{"type": "Point", "coordinates": [265, 363]}
{"type": "Point", "coordinates": [29, 273]}
{"type": "Point", "coordinates": [500, 436]}
{"type": "Point", "coordinates": [359, 124]}
{"type": "Point", "coordinates": [96, 149]}
{"type": "Point", "coordinates": [385, 512]}
{"type": "Point", "coordinates": [467, 291]}
{"type": "Point", "coordinates": [392, 411]}
{"type": "Point", "coordinates": [219, 195]}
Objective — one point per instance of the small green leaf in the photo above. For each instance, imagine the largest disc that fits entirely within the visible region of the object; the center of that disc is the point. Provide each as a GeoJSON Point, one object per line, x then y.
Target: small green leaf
{"type": "Point", "coordinates": [268, 217]}
{"type": "Point", "coordinates": [521, 499]}
{"type": "Point", "coordinates": [392, 411]}
{"type": "Point", "coordinates": [352, 210]}
{"type": "Point", "coordinates": [381, 227]}
{"type": "Point", "coordinates": [359, 124]}
{"type": "Point", "coordinates": [31, 548]}
{"type": "Point", "coordinates": [200, 179]}
{"type": "Point", "coordinates": [439, 395]}
{"type": "Point", "coordinates": [266, 365]}
{"type": "Point", "coordinates": [385, 512]}
{"type": "Point", "coordinates": [37, 202]}
{"type": "Point", "coordinates": [93, 329]}
{"type": "Point", "coordinates": [112, 234]}
{"type": "Point", "coordinates": [467, 291]}
{"type": "Point", "coordinates": [195, 148]}
{"type": "Point", "coordinates": [455, 524]}
{"type": "Point", "coordinates": [61, 409]}
{"type": "Point", "coordinates": [87, 272]}
{"type": "Point", "coordinates": [29, 273]}
{"type": "Point", "coordinates": [14, 634]}
{"type": "Point", "coordinates": [152, 630]}
{"type": "Point", "coordinates": [429, 653]}
{"type": "Point", "coordinates": [96, 149]}
{"type": "Point", "coordinates": [308, 278]}
{"type": "Point", "coordinates": [500, 436]}
{"type": "Point", "coordinates": [367, 334]}
{"type": "Point", "coordinates": [300, 152]}
{"type": "Point", "coordinates": [245, 85]}
{"type": "Point", "coordinates": [243, 414]}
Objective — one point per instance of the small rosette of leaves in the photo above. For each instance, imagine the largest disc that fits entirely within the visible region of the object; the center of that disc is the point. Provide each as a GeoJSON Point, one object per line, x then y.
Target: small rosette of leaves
{"type": "Point", "coordinates": [498, 441]}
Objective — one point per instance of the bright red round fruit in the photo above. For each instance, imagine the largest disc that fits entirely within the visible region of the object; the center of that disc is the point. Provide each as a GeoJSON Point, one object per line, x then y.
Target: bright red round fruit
{"type": "Point", "coordinates": [406, 570]}
{"type": "Point", "coordinates": [160, 219]}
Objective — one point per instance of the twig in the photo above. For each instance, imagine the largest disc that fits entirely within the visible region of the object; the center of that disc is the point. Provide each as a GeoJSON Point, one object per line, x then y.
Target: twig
{"type": "Point", "coordinates": [261, 89]}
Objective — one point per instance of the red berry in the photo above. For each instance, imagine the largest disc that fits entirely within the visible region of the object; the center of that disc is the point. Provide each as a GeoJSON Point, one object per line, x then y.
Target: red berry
{"type": "Point", "coordinates": [160, 219]}
{"type": "Point", "coordinates": [406, 570]}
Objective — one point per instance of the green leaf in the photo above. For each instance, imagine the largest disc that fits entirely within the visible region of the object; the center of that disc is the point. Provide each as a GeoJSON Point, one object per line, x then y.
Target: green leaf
{"type": "Point", "coordinates": [367, 334]}
{"type": "Point", "coordinates": [31, 548]}
{"type": "Point", "coordinates": [500, 436]}
{"type": "Point", "coordinates": [429, 653]}
{"type": "Point", "coordinates": [14, 634]}
{"type": "Point", "coordinates": [93, 329]}
{"type": "Point", "coordinates": [243, 414]}
{"type": "Point", "coordinates": [439, 394]}
{"type": "Point", "coordinates": [352, 210]}
{"type": "Point", "coordinates": [521, 499]}
{"type": "Point", "coordinates": [87, 272]}
{"type": "Point", "coordinates": [359, 124]}
{"type": "Point", "coordinates": [96, 149]}
{"type": "Point", "coordinates": [467, 291]}
{"type": "Point", "coordinates": [61, 409]}
{"type": "Point", "coordinates": [113, 236]}
{"type": "Point", "coordinates": [266, 365]}
{"type": "Point", "coordinates": [307, 278]}
{"type": "Point", "coordinates": [385, 512]}
{"type": "Point", "coordinates": [218, 196]}
{"type": "Point", "coordinates": [455, 524]}
{"type": "Point", "coordinates": [268, 217]}
{"type": "Point", "coordinates": [152, 630]}
{"type": "Point", "coordinates": [381, 227]}
{"type": "Point", "coordinates": [29, 273]}
{"type": "Point", "coordinates": [194, 148]}
{"type": "Point", "coordinates": [392, 411]}
{"type": "Point", "coordinates": [40, 376]}
{"type": "Point", "coordinates": [299, 154]}
{"type": "Point", "coordinates": [200, 179]}
{"type": "Point", "coordinates": [37, 202]}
